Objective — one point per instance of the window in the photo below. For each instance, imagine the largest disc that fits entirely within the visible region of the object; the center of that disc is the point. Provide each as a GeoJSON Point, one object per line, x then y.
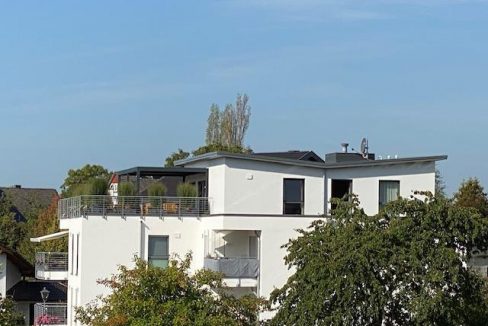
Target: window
{"type": "Point", "coordinates": [340, 189]}
{"type": "Point", "coordinates": [158, 253]}
{"type": "Point", "coordinates": [293, 196]}
{"type": "Point", "coordinates": [77, 252]}
{"type": "Point", "coordinates": [389, 191]}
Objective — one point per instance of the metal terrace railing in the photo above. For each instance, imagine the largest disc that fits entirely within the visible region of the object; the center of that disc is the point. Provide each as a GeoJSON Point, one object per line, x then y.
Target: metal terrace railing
{"type": "Point", "coordinates": [50, 314]}
{"type": "Point", "coordinates": [52, 265]}
{"type": "Point", "coordinates": [83, 206]}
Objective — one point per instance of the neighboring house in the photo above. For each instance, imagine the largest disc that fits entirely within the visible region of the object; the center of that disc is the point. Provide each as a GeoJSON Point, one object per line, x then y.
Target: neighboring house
{"type": "Point", "coordinates": [16, 282]}
{"type": "Point", "coordinates": [26, 201]}
{"type": "Point", "coordinates": [249, 205]}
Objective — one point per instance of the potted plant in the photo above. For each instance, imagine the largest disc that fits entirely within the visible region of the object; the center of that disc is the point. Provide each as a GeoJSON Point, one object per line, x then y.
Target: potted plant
{"type": "Point", "coordinates": [155, 191]}
{"type": "Point", "coordinates": [188, 191]}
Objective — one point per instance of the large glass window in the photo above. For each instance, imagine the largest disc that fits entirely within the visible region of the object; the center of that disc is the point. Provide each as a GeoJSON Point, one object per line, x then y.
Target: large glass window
{"type": "Point", "coordinates": [293, 196]}
{"type": "Point", "coordinates": [158, 253]}
{"type": "Point", "coordinates": [389, 191]}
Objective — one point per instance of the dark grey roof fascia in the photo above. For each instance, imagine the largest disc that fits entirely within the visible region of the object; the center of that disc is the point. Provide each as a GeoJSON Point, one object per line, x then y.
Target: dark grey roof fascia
{"type": "Point", "coordinates": [320, 165]}
{"type": "Point", "coordinates": [148, 170]}
{"type": "Point", "coordinates": [406, 160]}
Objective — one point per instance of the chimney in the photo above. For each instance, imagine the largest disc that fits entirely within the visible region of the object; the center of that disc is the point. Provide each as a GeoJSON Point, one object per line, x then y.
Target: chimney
{"type": "Point", "coordinates": [344, 147]}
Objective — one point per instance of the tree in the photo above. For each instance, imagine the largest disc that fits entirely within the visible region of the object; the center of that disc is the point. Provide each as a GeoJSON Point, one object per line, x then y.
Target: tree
{"type": "Point", "coordinates": [228, 128]}
{"type": "Point", "coordinates": [471, 194]}
{"type": "Point", "coordinates": [148, 295]}
{"type": "Point", "coordinates": [440, 185]}
{"type": "Point", "coordinates": [175, 156]}
{"type": "Point", "coordinates": [46, 223]}
{"type": "Point", "coordinates": [404, 266]}
{"type": "Point", "coordinates": [213, 127]}
{"type": "Point", "coordinates": [8, 315]}
{"type": "Point", "coordinates": [220, 148]}
{"type": "Point", "coordinates": [12, 232]}
{"type": "Point", "coordinates": [80, 177]}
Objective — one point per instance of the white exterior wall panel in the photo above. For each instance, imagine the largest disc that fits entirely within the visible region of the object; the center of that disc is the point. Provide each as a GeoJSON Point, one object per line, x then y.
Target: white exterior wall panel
{"type": "Point", "coordinates": [253, 187]}
{"type": "Point", "coordinates": [365, 181]}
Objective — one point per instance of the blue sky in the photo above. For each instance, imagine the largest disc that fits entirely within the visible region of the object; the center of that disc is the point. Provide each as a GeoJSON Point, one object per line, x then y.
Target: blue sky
{"type": "Point", "coordinates": [126, 83]}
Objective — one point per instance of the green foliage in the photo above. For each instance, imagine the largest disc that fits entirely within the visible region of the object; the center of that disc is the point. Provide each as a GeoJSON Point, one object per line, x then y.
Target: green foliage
{"type": "Point", "coordinates": [157, 189]}
{"type": "Point", "coordinates": [98, 186]}
{"type": "Point", "coordinates": [153, 296]}
{"type": "Point", "coordinates": [8, 315]}
{"type": "Point", "coordinates": [404, 266]}
{"type": "Point", "coordinates": [186, 190]}
{"type": "Point", "coordinates": [471, 194]}
{"type": "Point", "coordinates": [175, 156]}
{"type": "Point", "coordinates": [220, 148]}
{"type": "Point", "coordinates": [126, 189]}
{"type": "Point", "coordinates": [11, 231]}
{"type": "Point", "coordinates": [46, 223]}
{"type": "Point", "coordinates": [440, 185]}
{"type": "Point", "coordinates": [229, 127]}
{"type": "Point", "coordinates": [79, 178]}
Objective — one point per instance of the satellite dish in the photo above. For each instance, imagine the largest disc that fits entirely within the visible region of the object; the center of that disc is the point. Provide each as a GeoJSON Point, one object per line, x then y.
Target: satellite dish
{"type": "Point", "coordinates": [364, 147]}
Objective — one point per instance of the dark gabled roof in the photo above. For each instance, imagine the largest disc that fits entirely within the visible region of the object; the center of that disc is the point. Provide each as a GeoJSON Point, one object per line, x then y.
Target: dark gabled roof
{"type": "Point", "coordinates": [31, 291]}
{"type": "Point", "coordinates": [319, 165]}
{"type": "Point", "coordinates": [25, 268]}
{"type": "Point", "coordinates": [25, 200]}
{"type": "Point", "coordinates": [294, 155]}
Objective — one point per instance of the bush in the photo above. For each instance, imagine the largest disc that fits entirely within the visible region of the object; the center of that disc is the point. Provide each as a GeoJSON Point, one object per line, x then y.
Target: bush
{"type": "Point", "coordinates": [186, 190]}
{"type": "Point", "coordinates": [98, 186]}
{"type": "Point", "coordinates": [157, 189]}
{"type": "Point", "coordinates": [126, 189]}
{"type": "Point", "coordinates": [8, 315]}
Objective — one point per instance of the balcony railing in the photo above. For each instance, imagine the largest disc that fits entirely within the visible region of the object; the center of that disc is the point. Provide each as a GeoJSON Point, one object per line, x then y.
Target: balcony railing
{"type": "Point", "coordinates": [50, 314]}
{"type": "Point", "coordinates": [52, 265]}
{"type": "Point", "coordinates": [132, 206]}
{"type": "Point", "coordinates": [234, 267]}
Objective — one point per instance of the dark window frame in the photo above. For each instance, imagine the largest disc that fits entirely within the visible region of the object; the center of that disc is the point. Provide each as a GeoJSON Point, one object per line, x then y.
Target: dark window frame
{"type": "Point", "coordinates": [157, 257]}
{"type": "Point", "coordinates": [380, 204]}
{"type": "Point", "coordinates": [301, 203]}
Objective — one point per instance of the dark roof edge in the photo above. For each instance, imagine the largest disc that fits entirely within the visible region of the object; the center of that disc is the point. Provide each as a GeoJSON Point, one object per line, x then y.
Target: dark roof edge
{"type": "Point", "coordinates": [157, 168]}
{"type": "Point", "coordinates": [320, 165]}
{"type": "Point", "coordinates": [415, 159]}
{"type": "Point", "coordinates": [26, 268]}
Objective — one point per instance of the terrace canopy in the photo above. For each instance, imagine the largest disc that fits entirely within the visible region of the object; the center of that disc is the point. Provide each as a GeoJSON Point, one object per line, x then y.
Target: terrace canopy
{"type": "Point", "coordinates": [141, 172]}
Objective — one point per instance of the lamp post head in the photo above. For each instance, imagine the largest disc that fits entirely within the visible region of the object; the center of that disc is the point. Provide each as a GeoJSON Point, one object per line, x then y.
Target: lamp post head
{"type": "Point", "coordinates": [44, 294]}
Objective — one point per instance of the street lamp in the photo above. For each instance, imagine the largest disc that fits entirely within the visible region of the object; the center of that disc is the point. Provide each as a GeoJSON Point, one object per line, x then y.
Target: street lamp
{"type": "Point", "coordinates": [44, 295]}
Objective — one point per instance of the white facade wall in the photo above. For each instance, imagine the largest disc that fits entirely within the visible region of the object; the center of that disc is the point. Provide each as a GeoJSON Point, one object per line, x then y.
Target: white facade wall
{"type": "Point", "coordinates": [253, 187]}
{"type": "Point", "coordinates": [9, 274]}
{"type": "Point", "coordinates": [3, 275]}
{"type": "Point", "coordinates": [244, 195]}
{"type": "Point", "coordinates": [365, 181]}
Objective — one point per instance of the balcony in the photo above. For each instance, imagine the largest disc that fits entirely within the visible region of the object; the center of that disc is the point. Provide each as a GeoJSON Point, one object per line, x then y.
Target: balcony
{"type": "Point", "coordinates": [237, 271]}
{"type": "Point", "coordinates": [83, 206]}
{"type": "Point", "coordinates": [234, 267]}
{"type": "Point", "coordinates": [52, 266]}
{"type": "Point", "coordinates": [50, 314]}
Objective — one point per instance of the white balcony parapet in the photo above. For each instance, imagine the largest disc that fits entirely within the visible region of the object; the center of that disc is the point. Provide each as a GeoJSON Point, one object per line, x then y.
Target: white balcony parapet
{"type": "Point", "coordinates": [234, 267]}
{"type": "Point", "coordinates": [50, 314]}
{"type": "Point", "coordinates": [83, 206]}
{"type": "Point", "coordinates": [52, 266]}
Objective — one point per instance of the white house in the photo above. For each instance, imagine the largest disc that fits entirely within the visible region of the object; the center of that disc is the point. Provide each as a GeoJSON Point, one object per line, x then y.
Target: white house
{"type": "Point", "coordinates": [248, 205]}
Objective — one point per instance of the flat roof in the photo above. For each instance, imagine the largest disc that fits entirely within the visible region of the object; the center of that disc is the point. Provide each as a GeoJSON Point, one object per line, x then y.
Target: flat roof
{"type": "Point", "coordinates": [147, 171]}
{"type": "Point", "coordinates": [320, 165]}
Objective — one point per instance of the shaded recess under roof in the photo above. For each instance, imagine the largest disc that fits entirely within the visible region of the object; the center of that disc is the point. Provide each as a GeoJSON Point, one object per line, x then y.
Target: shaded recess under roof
{"type": "Point", "coordinates": [31, 291]}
